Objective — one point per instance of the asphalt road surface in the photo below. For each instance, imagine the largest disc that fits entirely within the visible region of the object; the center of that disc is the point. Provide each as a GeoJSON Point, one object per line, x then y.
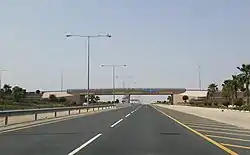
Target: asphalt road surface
{"type": "Point", "coordinates": [235, 138]}
{"type": "Point", "coordinates": [138, 130]}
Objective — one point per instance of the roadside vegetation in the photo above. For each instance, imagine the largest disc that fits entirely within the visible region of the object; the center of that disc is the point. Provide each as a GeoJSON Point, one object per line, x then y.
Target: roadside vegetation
{"type": "Point", "coordinates": [12, 98]}
{"type": "Point", "coordinates": [234, 94]}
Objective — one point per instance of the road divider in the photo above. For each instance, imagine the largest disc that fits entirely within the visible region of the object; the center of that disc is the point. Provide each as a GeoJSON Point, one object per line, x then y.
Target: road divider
{"type": "Point", "coordinates": [127, 115]}
{"type": "Point", "coordinates": [36, 114]}
{"type": "Point", "coordinates": [85, 144]}
{"type": "Point", "coordinates": [113, 125]}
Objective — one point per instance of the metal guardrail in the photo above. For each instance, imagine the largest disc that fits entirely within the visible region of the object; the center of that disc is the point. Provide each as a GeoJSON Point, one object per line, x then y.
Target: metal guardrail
{"type": "Point", "coordinates": [9, 113]}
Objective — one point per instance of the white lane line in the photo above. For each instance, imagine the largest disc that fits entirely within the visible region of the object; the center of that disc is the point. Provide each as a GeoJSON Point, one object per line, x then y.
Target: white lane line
{"type": "Point", "coordinates": [116, 123]}
{"type": "Point", "coordinates": [127, 115]}
{"type": "Point", "coordinates": [85, 144]}
{"type": "Point", "coordinates": [137, 108]}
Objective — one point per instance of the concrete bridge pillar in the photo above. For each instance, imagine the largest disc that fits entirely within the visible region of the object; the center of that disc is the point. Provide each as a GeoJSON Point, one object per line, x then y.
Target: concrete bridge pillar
{"type": "Point", "coordinates": [172, 99]}
{"type": "Point", "coordinates": [126, 98]}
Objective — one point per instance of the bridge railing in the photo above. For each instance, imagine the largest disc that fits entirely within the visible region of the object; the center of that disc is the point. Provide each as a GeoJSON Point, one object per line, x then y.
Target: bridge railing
{"type": "Point", "coordinates": [6, 114]}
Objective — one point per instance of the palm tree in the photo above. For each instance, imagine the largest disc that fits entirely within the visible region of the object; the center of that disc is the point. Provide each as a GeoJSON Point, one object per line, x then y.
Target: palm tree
{"type": "Point", "coordinates": [227, 90]}
{"type": "Point", "coordinates": [7, 89]}
{"type": "Point", "coordinates": [1, 94]}
{"type": "Point", "coordinates": [18, 93]}
{"type": "Point", "coordinates": [245, 76]}
{"type": "Point", "coordinates": [169, 98]}
{"type": "Point", "coordinates": [97, 98]}
{"type": "Point", "coordinates": [212, 89]}
{"type": "Point", "coordinates": [53, 98]}
{"type": "Point", "coordinates": [236, 84]}
{"type": "Point", "coordinates": [185, 98]}
{"type": "Point", "coordinates": [92, 98]}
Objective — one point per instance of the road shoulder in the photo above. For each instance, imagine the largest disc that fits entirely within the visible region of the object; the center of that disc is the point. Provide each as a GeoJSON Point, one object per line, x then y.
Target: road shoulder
{"type": "Point", "coordinates": [166, 112]}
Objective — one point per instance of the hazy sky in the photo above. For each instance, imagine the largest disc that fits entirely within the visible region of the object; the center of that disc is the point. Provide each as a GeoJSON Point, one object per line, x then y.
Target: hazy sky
{"type": "Point", "coordinates": [161, 41]}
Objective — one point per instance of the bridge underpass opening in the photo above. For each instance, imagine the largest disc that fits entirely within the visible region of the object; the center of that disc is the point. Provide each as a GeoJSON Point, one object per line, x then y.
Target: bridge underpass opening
{"type": "Point", "coordinates": [146, 99]}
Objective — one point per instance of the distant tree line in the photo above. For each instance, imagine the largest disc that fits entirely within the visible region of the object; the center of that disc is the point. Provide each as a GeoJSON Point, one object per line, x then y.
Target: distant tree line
{"type": "Point", "coordinates": [235, 90]}
{"type": "Point", "coordinates": [15, 93]}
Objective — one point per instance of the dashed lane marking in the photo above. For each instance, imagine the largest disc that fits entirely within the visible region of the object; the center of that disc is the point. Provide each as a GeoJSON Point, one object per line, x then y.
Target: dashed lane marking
{"type": "Point", "coordinates": [85, 144]}
{"type": "Point", "coordinates": [113, 125]}
{"type": "Point", "coordinates": [127, 115]}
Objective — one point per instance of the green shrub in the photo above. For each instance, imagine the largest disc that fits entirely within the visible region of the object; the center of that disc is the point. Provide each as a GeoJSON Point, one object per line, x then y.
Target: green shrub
{"type": "Point", "coordinates": [62, 99]}
{"type": "Point", "coordinates": [185, 98]}
{"type": "Point", "coordinates": [53, 98]}
{"type": "Point", "coordinates": [238, 102]}
{"type": "Point", "coordinates": [226, 103]}
{"type": "Point", "coordinates": [208, 103]}
{"type": "Point", "coordinates": [244, 107]}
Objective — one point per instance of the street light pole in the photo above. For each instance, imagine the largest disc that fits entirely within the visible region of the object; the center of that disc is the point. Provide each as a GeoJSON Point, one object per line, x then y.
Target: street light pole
{"type": "Point", "coordinates": [88, 66]}
{"type": "Point", "coordinates": [123, 84]}
{"type": "Point", "coordinates": [61, 80]}
{"type": "Point", "coordinates": [123, 80]}
{"type": "Point", "coordinates": [88, 56]}
{"type": "Point", "coordinates": [1, 71]}
{"type": "Point", "coordinates": [113, 83]}
{"type": "Point", "coordinates": [199, 77]}
{"type": "Point", "coordinates": [113, 76]}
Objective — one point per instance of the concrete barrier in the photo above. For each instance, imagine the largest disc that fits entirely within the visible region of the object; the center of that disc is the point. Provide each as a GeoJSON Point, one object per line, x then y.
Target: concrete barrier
{"type": "Point", "coordinates": [45, 116]}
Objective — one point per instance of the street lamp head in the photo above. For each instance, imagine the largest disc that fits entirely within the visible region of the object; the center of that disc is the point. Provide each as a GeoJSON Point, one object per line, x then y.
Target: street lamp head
{"type": "Point", "coordinates": [68, 35]}
{"type": "Point", "coordinates": [102, 65]}
{"type": "Point", "coordinates": [125, 65]}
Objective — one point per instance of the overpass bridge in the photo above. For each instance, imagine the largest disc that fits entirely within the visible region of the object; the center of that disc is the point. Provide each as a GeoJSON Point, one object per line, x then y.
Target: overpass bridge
{"type": "Point", "coordinates": [129, 91]}
{"type": "Point", "coordinates": [176, 93]}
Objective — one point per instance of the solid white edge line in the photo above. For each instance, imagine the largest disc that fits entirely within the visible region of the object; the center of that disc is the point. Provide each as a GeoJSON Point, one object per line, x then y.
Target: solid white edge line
{"type": "Point", "coordinates": [85, 144]}
{"type": "Point", "coordinates": [132, 112]}
{"type": "Point", "coordinates": [116, 123]}
{"type": "Point", "coordinates": [127, 115]}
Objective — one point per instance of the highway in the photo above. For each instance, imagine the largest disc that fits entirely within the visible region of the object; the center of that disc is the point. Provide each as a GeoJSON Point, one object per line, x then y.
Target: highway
{"type": "Point", "coordinates": [138, 130]}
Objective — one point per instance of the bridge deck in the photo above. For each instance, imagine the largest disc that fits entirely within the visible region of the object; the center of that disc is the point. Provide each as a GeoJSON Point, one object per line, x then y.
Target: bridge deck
{"type": "Point", "coordinates": [131, 91]}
